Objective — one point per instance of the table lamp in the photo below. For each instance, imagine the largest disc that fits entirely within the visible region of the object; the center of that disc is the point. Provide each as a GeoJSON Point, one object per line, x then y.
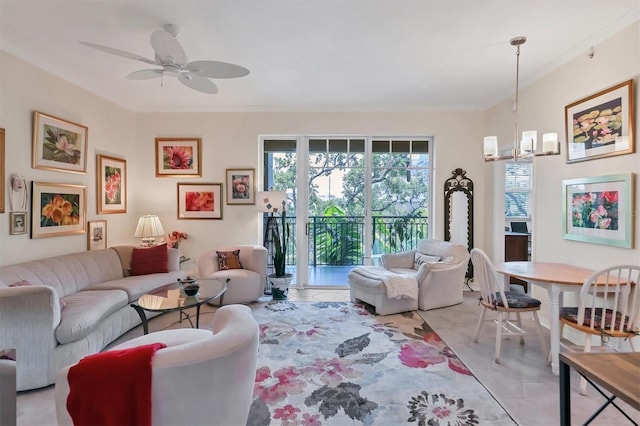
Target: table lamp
{"type": "Point", "coordinates": [148, 228]}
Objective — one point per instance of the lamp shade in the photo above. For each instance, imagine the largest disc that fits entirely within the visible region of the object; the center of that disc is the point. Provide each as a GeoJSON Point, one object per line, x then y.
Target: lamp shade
{"type": "Point", "coordinates": [149, 226]}
{"type": "Point", "coordinates": [271, 201]}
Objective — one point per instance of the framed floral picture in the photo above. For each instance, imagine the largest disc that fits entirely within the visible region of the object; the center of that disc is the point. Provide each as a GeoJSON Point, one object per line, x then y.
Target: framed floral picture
{"type": "Point", "coordinates": [2, 170]}
{"type": "Point", "coordinates": [178, 157]}
{"type": "Point", "coordinates": [199, 201]}
{"type": "Point", "coordinates": [241, 188]}
{"type": "Point", "coordinates": [601, 125]}
{"type": "Point", "coordinates": [58, 144]}
{"type": "Point", "coordinates": [58, 209]}
{"type": "Point", "coordinates": [18, 223]}
{"type": "Point", "coordinates": [97, 235]}
{"type": "Point", "coordinates": [599, 210]}
{"type": "Point", "coordinates": [112, 184]}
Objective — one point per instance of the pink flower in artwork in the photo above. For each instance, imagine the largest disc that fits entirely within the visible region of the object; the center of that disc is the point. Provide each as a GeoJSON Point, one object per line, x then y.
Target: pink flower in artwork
{"type": "Point", "coordinates": [288, 412]}
{"type": "Point", "coordinates": [272, 388]}
{"type": "Point", "coordinates": [604, 223]}
{"type": "Point", "coordinates": [311, 419]}
{"type": "Point", "coordinates": [178, 157]}
{"type": "Point", "coordinates": [431, 351]}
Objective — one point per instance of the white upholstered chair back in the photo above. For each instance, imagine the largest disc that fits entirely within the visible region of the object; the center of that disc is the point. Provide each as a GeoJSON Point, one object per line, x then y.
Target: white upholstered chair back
{"type": "Point", "coordinates": [200, 377]}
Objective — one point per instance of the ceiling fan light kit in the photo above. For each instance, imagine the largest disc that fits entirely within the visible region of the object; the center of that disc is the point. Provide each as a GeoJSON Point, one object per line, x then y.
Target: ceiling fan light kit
{"type": "Point", "coordinates": [526, 147]}
{"type": "Point", "coordinates": [172, 60]}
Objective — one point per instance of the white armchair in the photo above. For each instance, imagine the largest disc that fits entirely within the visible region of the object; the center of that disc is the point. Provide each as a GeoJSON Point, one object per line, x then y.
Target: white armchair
{"type": "Point", "coordinates": [439, 268]}
{"type": "Point", "coordinates": [247, 284]}
{"type": "Point", "coordinates": [200, 377]}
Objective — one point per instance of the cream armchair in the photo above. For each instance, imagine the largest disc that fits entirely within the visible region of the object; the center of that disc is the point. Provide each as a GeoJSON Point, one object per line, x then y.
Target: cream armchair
{"type": "Point", "coordinates": [247, 284]}
{"type": "Point", "coordinates": [439, 268]}
{"type": "Point", "coordinates": [200, 378]}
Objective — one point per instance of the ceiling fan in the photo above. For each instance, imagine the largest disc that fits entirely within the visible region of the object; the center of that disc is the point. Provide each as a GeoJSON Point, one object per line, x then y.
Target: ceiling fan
{"type": "Point", "coordinates": [170, 57]}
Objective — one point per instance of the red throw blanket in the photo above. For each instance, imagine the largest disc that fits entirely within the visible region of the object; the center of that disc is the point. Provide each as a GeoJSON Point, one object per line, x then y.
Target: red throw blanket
{"type": "Point", "coordinates": [113, 387]}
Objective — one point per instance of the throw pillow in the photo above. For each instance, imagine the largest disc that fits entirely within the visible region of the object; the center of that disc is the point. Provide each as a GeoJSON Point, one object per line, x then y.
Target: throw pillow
{"type": "Point", "coordinates": [424, 258]}
{"type": "Point", "coordinates": [26, 283]}
{"type": "Point", "coordinates": [149, 260]}
{"type": "Point", "coordinates": [229, 260]}
{"type": "Point", "coordinates": [516, 300]}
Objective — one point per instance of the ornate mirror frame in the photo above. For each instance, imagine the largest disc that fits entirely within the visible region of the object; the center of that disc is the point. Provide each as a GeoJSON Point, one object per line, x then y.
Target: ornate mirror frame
{"type": "Point", "coordinates": [458, 211]}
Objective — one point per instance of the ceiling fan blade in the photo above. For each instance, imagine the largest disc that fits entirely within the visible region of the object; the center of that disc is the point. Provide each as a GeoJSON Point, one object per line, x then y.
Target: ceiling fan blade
{"type": "Point", "coordinates": [118, 52]}
{"type": "Point", "coordinates": [196, 82]}
{"type": "Point", "coordinates": [167, 48]}
{"type": "Point", "coordinates": [216, 69]}
{"type": "Point", "coordinates": [145, 74]}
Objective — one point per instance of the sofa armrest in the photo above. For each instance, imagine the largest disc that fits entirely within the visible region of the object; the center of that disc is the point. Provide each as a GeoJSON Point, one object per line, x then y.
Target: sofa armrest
{"type": "Point", "coordinates": [29, 316]}
{"type": "Point", "coordinates": [403, 259]}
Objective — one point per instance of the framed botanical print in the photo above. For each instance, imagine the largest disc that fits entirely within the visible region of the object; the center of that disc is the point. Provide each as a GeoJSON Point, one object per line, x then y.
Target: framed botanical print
{"type": "Point", "coordinates": [241, 188]}
{"type": "Point", "coordinates": [112, 184]}
{"type": "Point", "coordinates": [601, 125]}
{"type": "Point", "coordinates": [97, 235]}
{"type": "Point", "coordinates": [59, 144]}
{"type": "Point", "coordinates": [199, 201]}
{"type": "Point", "coordinates": [58, 209]}
{"type": "Point", "coordinates": [178, 157]}
{"type": "Point", "coordinates": [2, 188]}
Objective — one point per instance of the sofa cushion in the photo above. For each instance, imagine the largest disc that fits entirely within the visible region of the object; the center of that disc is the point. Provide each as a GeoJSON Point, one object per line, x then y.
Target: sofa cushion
{"type": "Point", "coordinates": [421, 258]}
{"type": "Point", "coordinates": [229, 260]}
{"type": "Point", "coordinates": [25, 283]}
{"type": "Point", "coordinates": [85, 311]}
{"type": "Point", "coordinates": [151, 260]}
{"type": "Point", "coordinates": [404, 271]}
{"type": "Point", "coordinates": [137, 285]}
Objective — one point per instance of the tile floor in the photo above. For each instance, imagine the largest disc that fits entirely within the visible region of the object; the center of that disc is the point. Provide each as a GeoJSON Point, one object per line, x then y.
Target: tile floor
{"type": "Point", "coordinates": [522, 382]}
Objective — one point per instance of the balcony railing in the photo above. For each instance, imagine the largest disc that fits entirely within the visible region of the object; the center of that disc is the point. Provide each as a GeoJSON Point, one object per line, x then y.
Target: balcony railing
{"type": "Point", "coordinates": [339, 240]}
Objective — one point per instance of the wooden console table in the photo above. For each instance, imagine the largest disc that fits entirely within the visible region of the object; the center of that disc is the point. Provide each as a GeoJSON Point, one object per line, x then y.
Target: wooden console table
{"type": "Point", "coordinates": [616, 372]}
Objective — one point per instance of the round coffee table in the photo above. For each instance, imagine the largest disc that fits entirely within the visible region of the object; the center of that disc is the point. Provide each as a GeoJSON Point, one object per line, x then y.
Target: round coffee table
{"type": "Point", "coordinates": [171, 298]}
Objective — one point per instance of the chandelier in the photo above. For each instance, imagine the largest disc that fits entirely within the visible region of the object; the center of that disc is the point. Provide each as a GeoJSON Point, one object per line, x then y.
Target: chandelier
{"type": "Point", "coordinates": [527, 146]}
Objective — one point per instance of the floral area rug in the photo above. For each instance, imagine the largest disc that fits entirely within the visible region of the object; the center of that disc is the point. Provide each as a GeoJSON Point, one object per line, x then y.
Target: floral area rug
{"type": "Point", "coordinates": [334, 363]}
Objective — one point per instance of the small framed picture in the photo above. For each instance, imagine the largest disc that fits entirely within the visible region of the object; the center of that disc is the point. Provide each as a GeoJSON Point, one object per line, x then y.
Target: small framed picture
{"type": "Point", "coordinates": [58, 144]}
{"type": "Point", "coordinates": [58, 209]}
{"type": "Point", "coordinates": [112, 184]}
{"type": "Point", "coordinates": [178, 157]}
{"type": "Point", "coordinates": [601, 125]}
{"type": "Point", "coordinates": [199, 201]}
{"type": "Point", "coordinates": [18, 223]}
{"type": "Point", "coordinates": [241, 188]}
{"type": "Point", "coordinates": [97, 235]}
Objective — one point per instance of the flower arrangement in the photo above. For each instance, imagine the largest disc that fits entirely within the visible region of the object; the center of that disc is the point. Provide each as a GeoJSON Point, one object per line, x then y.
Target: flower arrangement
{"type": "Point", "coordinates": [595, 210]}
{"type": "Point", "coordinates": [174, 239]}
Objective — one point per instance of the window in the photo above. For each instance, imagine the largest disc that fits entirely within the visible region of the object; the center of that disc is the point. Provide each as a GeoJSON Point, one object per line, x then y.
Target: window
{"type": "Point", "coordinates": [517, 183]}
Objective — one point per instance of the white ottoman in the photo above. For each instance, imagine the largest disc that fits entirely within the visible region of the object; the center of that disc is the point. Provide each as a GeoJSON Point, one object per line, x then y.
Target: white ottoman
{"type": "Point", "coordinates": [374, 292]}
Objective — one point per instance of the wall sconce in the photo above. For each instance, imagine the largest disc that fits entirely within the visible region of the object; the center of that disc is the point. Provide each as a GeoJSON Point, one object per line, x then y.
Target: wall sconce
{"type": "Point", "coordinates": [527, 146]}
{"type": "Point", "coordinates": [149, 227]}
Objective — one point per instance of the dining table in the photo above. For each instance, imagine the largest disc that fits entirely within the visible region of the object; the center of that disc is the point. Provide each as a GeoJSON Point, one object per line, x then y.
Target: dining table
{"type": "Point", "coordinates": [556, 278]}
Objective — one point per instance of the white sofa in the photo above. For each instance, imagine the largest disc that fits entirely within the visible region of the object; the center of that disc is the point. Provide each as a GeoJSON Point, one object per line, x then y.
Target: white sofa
{"type": "Point", "coordinates": [247, 284]}
{"type": "Point", "coordinates": [439, 275]}
{"type": "Point", "coordinates": [96, 288]}
{"type": "Point", "coordinates": [200, 378]}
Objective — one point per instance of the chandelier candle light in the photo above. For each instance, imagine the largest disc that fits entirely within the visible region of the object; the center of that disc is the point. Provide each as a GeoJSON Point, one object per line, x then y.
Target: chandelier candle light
{"type": "Point", "coordinates": [148, 228]}
{"type": "Point", "coordinates": [527, 146]}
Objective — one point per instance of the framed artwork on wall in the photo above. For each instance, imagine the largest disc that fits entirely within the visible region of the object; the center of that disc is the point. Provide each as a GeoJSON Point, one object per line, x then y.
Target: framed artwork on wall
{"type": "Point", "coordinates": [199, 201]}
{"type": "Point", "coordinates": [178, 157]}
{"type": "Point", "coordinates": [18, 223]}
{"type": "Point", "coordinates": [599, 210]}
{"type": "Point", "coordinates": [2, 188]}
{"type": "Point", "coordinates": [58, 209]}
{"type": "Point", "coordinates": [601, 125]}
{"type": "Point", "coordinates": [97, 235]}
{"type": "Point", "coordinates": [241, 188]}
{"type": "Point", "coordinates": [59, 144]}
{"type": "Point", "coordinates": [112, 184]}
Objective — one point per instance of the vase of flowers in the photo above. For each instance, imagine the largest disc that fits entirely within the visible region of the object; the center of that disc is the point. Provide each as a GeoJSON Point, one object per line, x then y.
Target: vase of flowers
{"type": "Point", "coordinates": [174, 238]}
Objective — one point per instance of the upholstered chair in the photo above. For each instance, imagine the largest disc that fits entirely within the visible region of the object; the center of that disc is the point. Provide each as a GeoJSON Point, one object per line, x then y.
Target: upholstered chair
{"type": "Point", "coordinates": [247, 278]}
{"type": "Point", "coordinates": [199, 378]}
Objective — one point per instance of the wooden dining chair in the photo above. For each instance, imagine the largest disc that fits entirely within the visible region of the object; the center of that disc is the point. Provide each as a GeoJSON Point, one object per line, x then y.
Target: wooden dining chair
{"type": "Point", "coordinates": [609, 307]}
{"type": "Point", "coordinates": [494, 298]}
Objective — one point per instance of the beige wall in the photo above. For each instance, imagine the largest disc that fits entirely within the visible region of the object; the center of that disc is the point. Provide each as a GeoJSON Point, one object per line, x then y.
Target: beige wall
{"type": "Point", "coordinates": [230, 140]}
{"type": "Point", "coordinates": [542, 107]}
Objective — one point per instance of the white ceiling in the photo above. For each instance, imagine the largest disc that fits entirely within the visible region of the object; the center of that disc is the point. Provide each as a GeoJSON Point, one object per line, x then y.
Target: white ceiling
{"type": "Point", "coordinates": [310, 55]}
